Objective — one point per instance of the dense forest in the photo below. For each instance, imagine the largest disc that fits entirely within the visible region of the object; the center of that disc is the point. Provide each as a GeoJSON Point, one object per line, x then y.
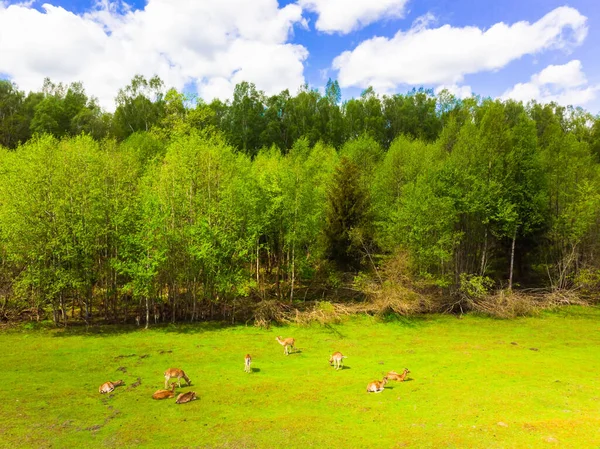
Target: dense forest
{"type": "Point", "coordinates": [174, 209]}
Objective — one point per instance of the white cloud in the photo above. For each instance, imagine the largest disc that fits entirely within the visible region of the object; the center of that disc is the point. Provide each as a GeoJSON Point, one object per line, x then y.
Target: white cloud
{"type": "Point", "coordinates": [446, 54]}
{"type": "Point", "coordinates": [563, 84]}
{"type": "Point", "coordinates": [212, 44]}
{"type": "Point", "coordinates": [456, 90]}
{"type": "Point", "coordinates": [344, 16]}
{"type": "Point", "coordinates": [567, 75]}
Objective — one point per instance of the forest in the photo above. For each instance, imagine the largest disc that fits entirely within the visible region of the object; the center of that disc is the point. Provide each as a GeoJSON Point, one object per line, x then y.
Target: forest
{"type": "Point", "coordinates": [173, 209]}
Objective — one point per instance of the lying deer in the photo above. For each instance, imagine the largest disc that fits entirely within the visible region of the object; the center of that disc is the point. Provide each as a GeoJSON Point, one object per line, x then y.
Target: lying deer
{"type": "Point", "coordinates": [393, 375]}
{"type": "Point", "coordinates": [337, 360]}
{"type": "Point", "coordinates": [107, 387]}
{"type": "Point", "coordinates": [186, 397]}
{"type": "Point", "coordinates": [376, 386]}
{"type": "Point", "coordinates": [288, 342]}
{"type": "Point", "coordinates": [165, 394]}
{"type": "Point", "coordinates": [178, 373]}
{"type": "Point", "coordinates": [247, 362]}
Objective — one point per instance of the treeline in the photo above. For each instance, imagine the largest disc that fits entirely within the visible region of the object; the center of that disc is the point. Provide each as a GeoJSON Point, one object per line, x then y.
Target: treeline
{"type": "Point", "coordinates": [249, 122]}
{"type": "Point", "coordinates": [172, 210]}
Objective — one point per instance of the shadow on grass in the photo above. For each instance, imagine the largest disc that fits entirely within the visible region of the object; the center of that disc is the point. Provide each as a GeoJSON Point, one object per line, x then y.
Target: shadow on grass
{"type": "Point", "coordinates": [412, 322]}
{"type": "Point", "coordinates": [108, 330]}
{"type": "Point", "coordinates": [255, 370]}
{"type": "Point", "coordinates": [333, 330]}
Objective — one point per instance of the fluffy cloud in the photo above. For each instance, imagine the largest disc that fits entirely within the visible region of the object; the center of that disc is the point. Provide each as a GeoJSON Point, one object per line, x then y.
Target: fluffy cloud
{"type": "Point", "coordinates": [456, 90]}
{"type": "Point", "coordinates": [211, 44]}
{"type": "Point", "coordinates": [563, 84]}
{"type": "Point", "coordinates": [344, 16]}
{"type": "Point", "coordinates": [444, 55]}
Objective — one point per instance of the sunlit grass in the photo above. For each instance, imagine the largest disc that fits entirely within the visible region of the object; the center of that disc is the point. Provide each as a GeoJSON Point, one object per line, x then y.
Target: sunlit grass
{"type": "Point", "coordinates": [474, 382]}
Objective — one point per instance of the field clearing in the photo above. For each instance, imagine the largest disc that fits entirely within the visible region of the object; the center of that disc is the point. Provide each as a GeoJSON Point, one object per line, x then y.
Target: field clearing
{"type": "Point", "coordinates": [475, 382]}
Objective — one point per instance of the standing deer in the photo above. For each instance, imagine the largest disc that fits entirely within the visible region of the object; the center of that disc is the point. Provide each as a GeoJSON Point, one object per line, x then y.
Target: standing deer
{"type": "Point", "coordinates": [337, 360]}
{"type": "Point", "coordinates": [288, 342]}
{"type": "Point", "coordinates": [186, 397]}
{"type": "Point", "coordinates": [393, 375]}
{"type": "Point", "coordinates": [107, 387]}
{"type": "Point", "coordinates": [178, 373]}
{"type": "Point", "coordinates": [165, 394]}
{"type": "Point", "coordinates": [376, 386]}
{"type": "Point", "coordinates": [247, 362]}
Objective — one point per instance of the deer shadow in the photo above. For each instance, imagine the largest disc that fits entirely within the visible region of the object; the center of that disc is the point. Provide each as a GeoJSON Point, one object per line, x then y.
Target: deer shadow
{"type": "Point", "coordinates": [255, 370]}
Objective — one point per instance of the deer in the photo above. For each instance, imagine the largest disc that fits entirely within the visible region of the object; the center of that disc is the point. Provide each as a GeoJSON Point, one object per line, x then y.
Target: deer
{"type": "Point", "coordinates": [337, 360]}
{"type": "Point", "coordinates": [165, 394]}
{"type": "Point", "coordinates": [393, 375]}
{"type": "Point", "coordinates": [247, 362]}
{"type": "Point", "coordinates": [288, 342]}
{"type": "Point", "coordinates": [107, 387]}
{"type": "Point", "coordinates": [376, 386]}
{"type": "Point", "coordinates": [178, 373]}
{"type": "Point", "coordinates": [186, 397]}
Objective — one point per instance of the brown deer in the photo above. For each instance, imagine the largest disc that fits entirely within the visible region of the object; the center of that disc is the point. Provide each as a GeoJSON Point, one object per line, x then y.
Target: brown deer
{"type": "Point", "coordinates": [288, 342]}
{"type": "Point", "coordinates": [376, 386]}
{"type": "Point", "coordinates": [393, 375]}
{"type": "Point", "coordinates": [165, 394]}
{"type": "Point", "coordinates": [178, 373]}
{"type": "Point", "coordinates": [186, 397]}
{"type": "Point", "coordinates": [337, 360]}
{"type": "Point", "coordinates": [107, 387]}
{"type": "Point", "coordinates": [247, 362]}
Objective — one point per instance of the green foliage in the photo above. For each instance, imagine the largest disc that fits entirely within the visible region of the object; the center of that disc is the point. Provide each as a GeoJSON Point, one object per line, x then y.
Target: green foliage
{"type": "Point", "coordinates": [188, 205]}
{"type": "Point", "coordinates": [348, 212]}
{"type": "Point", "coordinates": [474, 287]}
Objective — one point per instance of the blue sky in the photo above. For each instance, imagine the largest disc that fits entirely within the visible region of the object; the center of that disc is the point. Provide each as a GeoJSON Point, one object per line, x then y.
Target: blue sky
{"type": "Point", "coordinates": [553, 59]}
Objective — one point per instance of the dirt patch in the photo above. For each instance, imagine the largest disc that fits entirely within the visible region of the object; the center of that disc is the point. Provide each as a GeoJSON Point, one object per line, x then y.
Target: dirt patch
{"type": "Point", "coordinates": [136, 384]}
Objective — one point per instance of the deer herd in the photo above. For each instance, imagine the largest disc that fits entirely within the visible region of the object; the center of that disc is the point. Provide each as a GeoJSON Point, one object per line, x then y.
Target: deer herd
{"type": "Point", "coordinates": [336, 360]}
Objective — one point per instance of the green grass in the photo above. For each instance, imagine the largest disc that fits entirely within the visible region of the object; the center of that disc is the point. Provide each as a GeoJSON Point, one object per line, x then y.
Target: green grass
{"type": "Point", "coordinates": [466, 378]}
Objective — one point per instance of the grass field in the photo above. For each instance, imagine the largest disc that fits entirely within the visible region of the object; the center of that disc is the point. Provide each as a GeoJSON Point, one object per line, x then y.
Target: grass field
{"type": "Point", "coordinates": [474, 382]}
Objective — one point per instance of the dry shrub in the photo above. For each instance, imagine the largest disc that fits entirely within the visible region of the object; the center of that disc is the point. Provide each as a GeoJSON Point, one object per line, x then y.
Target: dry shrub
{"type": "Point", "coordinates": [559, 298]}
{"type": "Point", "coordinates": [393, 289]}
{"type": "Point", "coordinates": [511, 304]}
{"type": "Point", "coordinates": [268, 311]}
{"type": "Point", "coordinates": [507, 304]}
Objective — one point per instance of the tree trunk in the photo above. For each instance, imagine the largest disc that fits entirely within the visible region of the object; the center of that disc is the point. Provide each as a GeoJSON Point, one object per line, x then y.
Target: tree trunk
{"type": "Point", "coordinates": [484, 253]}
{"type": "Point", "coordinates": [147, 312]}
{"type": "Point", "coordinates": [293, 269]}
{"type": "Point", "coordinates": [512, 260]}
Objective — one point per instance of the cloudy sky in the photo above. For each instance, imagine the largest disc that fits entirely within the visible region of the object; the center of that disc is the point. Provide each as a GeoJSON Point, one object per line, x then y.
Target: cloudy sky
{"type": "Point", "coordinates": [541, 49]}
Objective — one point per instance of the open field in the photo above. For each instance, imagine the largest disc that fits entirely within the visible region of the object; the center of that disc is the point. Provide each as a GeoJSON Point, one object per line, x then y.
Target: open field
{"type": "Point", "coordinates": [474, 382]}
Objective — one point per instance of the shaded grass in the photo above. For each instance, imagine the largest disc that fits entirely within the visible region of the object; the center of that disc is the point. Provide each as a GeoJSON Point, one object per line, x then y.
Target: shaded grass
{"type": "Point", "coordinates": [537, 377]}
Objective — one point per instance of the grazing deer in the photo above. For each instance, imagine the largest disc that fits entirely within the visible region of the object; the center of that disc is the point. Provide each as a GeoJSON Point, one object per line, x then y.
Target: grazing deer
{"type": "Point", "coordinates": [247, 362]}
{"type": "Point", "coordinates": [186, 397]}
{"type": "Point", "coordinates": [288, 342]}
{"type": "Point", "coordinates": [107, 387]}
{"type": "Point", "coordinates": [165, 394]}
{"type": "Point", "coordinates": [337, 360]}
{"type": "Point", "coordinates": [376, 386]}
{"type": "Point", "coordinates": [393, 375]}
{"type": "Point", "coordinates": [178, 373]}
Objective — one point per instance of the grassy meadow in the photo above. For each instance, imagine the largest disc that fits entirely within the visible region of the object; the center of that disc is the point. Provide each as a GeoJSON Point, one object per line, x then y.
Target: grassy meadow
{"type": "Point", "coordinates": [475, 382]}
